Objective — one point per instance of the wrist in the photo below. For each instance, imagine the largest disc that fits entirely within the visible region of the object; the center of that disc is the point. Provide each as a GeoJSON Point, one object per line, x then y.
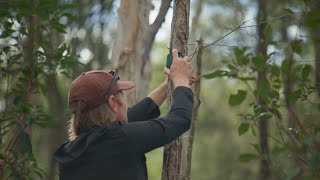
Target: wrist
{"type": "Point", "coordinates": [181, 82]}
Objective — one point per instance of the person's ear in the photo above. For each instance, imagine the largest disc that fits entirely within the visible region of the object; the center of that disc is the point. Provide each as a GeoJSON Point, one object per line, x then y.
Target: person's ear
{"type": "Point", "coordinates": [112, 103]}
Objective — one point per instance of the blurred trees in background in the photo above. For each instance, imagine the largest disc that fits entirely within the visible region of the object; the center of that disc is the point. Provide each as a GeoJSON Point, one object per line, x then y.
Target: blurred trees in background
{"type": "Point", "coordinates": [133, 43]}
{"type": "Point", "coordinates": [44, 44]}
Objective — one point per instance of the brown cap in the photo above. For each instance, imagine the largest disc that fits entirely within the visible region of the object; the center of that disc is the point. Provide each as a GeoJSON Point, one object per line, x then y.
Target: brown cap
{"type": "Point", "coordinates": [91, 87]}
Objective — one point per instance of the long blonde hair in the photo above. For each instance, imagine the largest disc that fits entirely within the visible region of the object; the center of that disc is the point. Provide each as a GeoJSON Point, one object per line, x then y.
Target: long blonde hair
{"type": "Point", "coordinates": [82, 120]}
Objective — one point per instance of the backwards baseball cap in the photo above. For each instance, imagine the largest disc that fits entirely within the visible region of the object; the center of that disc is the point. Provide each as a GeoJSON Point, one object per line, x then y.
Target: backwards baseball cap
{"type": "Point", "coordinates": [95, 87]}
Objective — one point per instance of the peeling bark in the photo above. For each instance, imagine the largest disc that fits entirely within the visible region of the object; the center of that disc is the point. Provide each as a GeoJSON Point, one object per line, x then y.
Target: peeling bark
{"type": "Point", "coordinates": [130, 54]}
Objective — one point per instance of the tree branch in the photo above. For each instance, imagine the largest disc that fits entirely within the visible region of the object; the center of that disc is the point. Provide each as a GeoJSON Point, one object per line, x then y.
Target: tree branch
{"type": "Point", "coordinates": [152, 31]}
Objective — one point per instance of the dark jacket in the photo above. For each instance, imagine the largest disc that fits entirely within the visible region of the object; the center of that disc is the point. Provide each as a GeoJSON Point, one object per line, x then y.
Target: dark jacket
{"type": "Point", "coordinates": [116, 152]}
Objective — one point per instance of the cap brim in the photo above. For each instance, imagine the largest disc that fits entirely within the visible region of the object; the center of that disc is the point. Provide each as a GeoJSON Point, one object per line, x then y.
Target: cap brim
{"type": "Point", "coordinates": [125, 85]}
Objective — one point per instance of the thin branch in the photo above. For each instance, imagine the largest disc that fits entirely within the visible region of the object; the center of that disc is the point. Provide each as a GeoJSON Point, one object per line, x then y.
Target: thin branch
{"type": "Point", "coordinates": [279, 129]}
{"type": "Point", "coordinates": [165, 4]}
{"type": "Point", "coordinates": [152, 31]}
{"type": "Point", "coordinates": [276, 140]}
{"type": "Point", "coordinates": [250, 89]}
{"type": "Point", "coordinates": [291, 3]}
{"type": "Point", "coordinates": [301, 159]}
{"type": "Point", "coordinates": [8, 125]}
{"type": "Point", "coordinates": [263, 22]}
{"type": "Point", "coordinates": [194, 53]}
{"type": "Point", "coordinates": [226, 45]}
{"type": "Point", "coordinates": [228, 33]}
{"type": "Point", "coordinates": [296, 155]}
{"type": "Point", "coordinates": [6, 97]}
{"type": "Point", "coordinates": [241, 27]}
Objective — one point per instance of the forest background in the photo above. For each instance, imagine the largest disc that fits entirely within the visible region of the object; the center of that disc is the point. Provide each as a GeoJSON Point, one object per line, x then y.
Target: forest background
{"type": "Point", "coordinates": [260, 81]}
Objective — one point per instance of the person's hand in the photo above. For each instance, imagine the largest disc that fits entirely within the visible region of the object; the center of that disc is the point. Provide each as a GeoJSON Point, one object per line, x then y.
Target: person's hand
{"type": "Point", "coordinates": [181, 71]}
{"type": "Point", "coordinates": [191, 82]}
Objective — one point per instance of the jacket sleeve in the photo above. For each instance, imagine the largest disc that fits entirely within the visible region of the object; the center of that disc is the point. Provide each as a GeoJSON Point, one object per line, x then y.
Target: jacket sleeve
{"type": "Point", "coordinates": [148, 135]}
{"type": "Point", "coordinates": [144, 110]}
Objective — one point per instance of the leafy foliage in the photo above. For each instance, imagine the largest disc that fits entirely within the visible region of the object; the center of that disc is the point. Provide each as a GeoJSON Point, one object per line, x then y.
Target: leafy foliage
{"type": "Point", "coordinates": [284, 86]}
{"type": "Point", "coordinates": [26, 58]}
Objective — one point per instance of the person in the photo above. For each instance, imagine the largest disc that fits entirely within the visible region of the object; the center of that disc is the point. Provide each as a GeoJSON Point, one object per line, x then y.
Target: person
{"type": "Point", "coordinates": [107, 140]}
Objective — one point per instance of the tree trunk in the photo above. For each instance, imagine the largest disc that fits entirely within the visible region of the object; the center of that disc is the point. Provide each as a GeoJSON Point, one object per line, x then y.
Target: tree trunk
{"type": "Point", "coordinates": [317, 65]}
{"type": "Point", "coordinates": [187, 138]}
{"type": "Point", "coordinates": [133, 43]}
{"type": "Point", "coordinates": [186, 161]}
{"type": "Point", "coordinates": [128, 49]}
{"type": "Point", "coordinates": [316, 43]}
{"type": "Point", "coordinates": [264, 172]}
{"type": "Point", "coordinates": [179, 38]}
{"type": "Point", "coordinates": [58, 133]}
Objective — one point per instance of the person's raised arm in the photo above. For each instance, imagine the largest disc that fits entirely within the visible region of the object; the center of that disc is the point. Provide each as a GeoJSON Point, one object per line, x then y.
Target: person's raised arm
{"type": "Point", "coordinates": [181, 74]}
{"type": "Point", "coordinates": [159, 95]}
{"type": "Point", "coordinates": [145, 136]}
{"type": "Point", "coordinates": [148, 108]}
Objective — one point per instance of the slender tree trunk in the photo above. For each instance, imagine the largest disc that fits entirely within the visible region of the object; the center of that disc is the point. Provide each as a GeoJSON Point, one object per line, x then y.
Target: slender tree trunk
{"type": "Point", "coordinates": [293, 119]}
{"type": "Point", "coordinates": [80, 4]}
{"type": "Point", "coordinates": [57, 134]}
{"type": "Point", "coordinates": [133, 44]}
{"type": "Point", "coordinates": [317, 65]}
{"type": "Point", "coordinates": [316, 42]}
{"type": "Point", "coordinates": [127, 51]}
{"type": "Point", "coordinates": [186, 173]}
{"type": "Point", "coordinates": [179, 38]}
{"type": "Point", "coordinates": [288, 80]}
{"type": "Point", "coordinates": [187, 138]}
{"type": "Point", "coordinates": [57, 110]}
{"type": "Point", "coordinates": [263, 123]}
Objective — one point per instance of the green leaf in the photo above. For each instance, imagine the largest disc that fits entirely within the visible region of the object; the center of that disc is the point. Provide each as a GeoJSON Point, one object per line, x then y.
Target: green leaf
{"type": "Point", "coordinates": [259, 63]}
{"type": "Point", "coordinates": [248, 157]}
{"type": "Point", "coordinates": [241, 56]}
{"type": "Point", "coordinates": [265, 116]}
{"type": "Point", "coordinates": [24, 143]}
{"type": "Point", "coordinates": [256, 147]}
{"type": "Point", "coordinates": [257, 109]}
{"type": "Point", "coordinates": [277, 84]}
{"type": "Point", "coordinates": [233, 70]}
{"type": "Point", "coordinates": [59, 27]}
{"type": "Point", "coordinates": [43, 6]}
{"type": "Point", "coordinates": [297, 46]}
{"type": "Point", "coordinates": [285, 66]}
{"type": "Point", "coordinates": [305, 71]}
{"type": "Point", "coordinates": [6, 49]}
{"type": "Point", "coordinates": [243, 128]}
{"type": "Point", "coordinates": [253, 131]}
{"type": "Point", "coordinates": [275, 70]}
{"type": "Point", "coordinates": [236, 99]}
{"type": "Point", "coordinates": [295, 95]}
{"type": "Point", "coordinates": [263, 88]}
{"type": "Point", "coordinates": [217, 73]}
{"type": "Point", "coordinates": [288, 10]}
